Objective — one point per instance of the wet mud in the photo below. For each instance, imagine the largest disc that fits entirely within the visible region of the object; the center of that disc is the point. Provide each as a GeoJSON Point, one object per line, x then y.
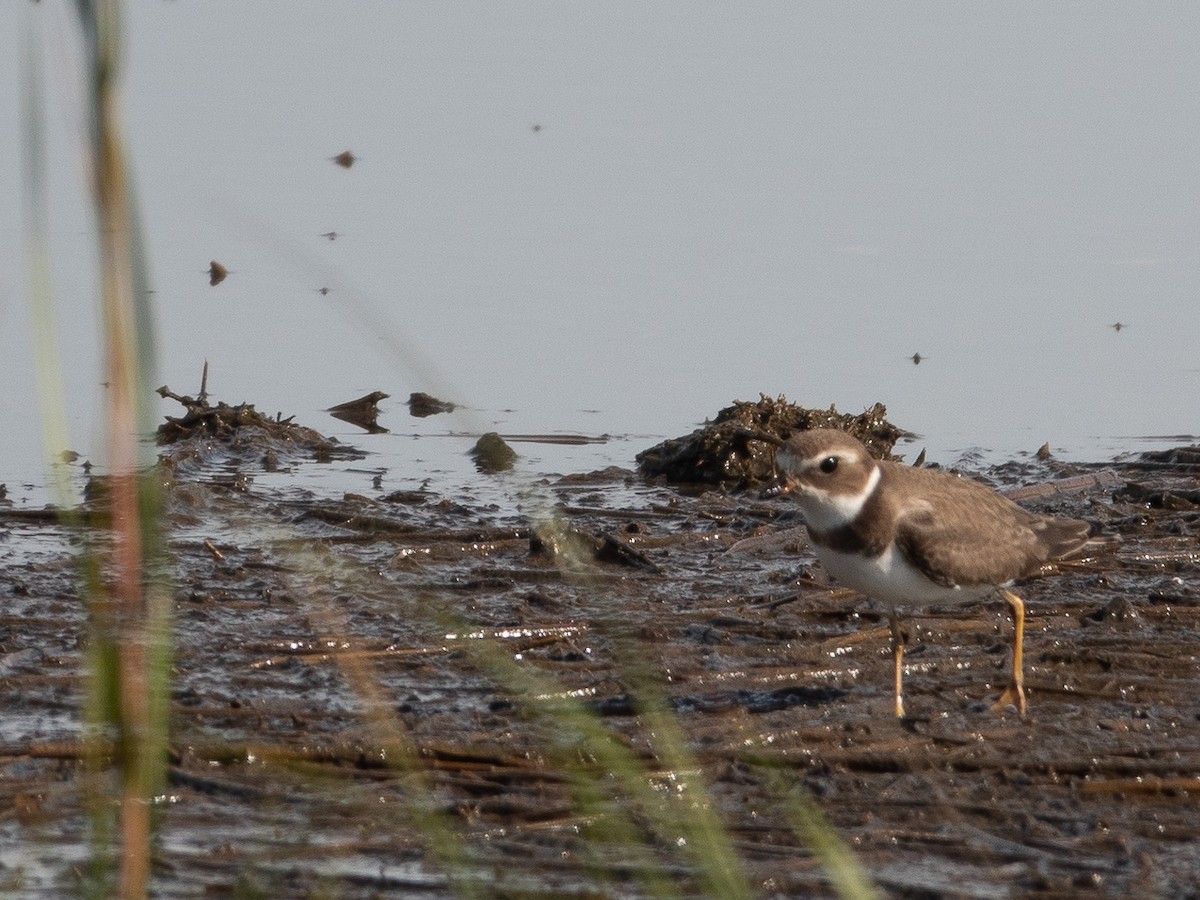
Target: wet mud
{"type": "Point", "coordinates": [340, 664]}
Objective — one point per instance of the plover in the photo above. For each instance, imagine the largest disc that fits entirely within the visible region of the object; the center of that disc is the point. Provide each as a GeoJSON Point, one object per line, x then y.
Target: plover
{"type": "Point", "coordinates": [913, 537]}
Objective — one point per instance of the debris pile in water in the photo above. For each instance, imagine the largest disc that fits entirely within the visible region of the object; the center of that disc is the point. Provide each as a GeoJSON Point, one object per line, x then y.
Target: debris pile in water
{"type": "Point", "coordinates": [737, 448]}
{"type": "Point", "coordinates": [246, 430]}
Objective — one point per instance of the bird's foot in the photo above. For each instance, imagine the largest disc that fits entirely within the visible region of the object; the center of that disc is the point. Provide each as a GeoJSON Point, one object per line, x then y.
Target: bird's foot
{"type": "Point", "coordinates": [1013, 696]}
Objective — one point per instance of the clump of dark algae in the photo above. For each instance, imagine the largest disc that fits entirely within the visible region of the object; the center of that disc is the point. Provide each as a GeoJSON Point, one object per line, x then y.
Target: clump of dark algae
{"type": "Point", "coordinates": [737, 449]}
{"type": "Point", "coordinates": [242, 432]}
{"type": "Point", "coordinates": [422, 405]}
{"type": "Point", "coordinates": [492, 454]}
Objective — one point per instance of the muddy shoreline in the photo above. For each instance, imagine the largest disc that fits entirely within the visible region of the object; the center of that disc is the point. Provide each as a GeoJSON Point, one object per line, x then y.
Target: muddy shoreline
{"type": "Point", "coordinates": [317, 641]}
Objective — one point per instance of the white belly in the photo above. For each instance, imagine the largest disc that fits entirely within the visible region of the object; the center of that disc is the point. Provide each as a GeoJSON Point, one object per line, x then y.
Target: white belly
{"type": "Point", "coordinates": [891, 578]}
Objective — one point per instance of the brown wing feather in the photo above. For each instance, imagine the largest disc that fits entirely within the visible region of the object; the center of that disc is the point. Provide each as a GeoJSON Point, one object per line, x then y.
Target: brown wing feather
{"type": "Point", "coordinates": [930, 533]}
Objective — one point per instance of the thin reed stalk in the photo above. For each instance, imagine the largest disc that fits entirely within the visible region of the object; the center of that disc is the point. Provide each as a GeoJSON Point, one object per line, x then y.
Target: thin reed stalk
{"type": "Point", "coordinates": [130, 618]}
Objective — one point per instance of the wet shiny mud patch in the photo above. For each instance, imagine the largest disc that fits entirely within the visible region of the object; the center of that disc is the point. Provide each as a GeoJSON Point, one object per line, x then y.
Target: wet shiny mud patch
{"type": "Point", "coordinates": [378, 694]}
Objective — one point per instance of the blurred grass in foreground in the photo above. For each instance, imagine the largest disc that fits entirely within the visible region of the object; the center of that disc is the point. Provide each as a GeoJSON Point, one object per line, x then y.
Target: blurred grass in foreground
{"type": "Point", "coordinates": [130, 601]}
{"type": "Point", "coordinates": [127, 646]}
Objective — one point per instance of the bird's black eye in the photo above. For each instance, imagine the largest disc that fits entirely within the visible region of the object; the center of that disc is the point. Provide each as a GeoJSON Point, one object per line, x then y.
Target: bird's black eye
{"type": "Point", "coordinates": [829, 465]}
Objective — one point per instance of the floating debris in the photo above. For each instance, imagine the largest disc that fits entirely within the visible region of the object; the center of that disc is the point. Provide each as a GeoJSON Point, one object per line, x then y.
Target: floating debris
{"type": "Point", "coordinates": [569, 440]}
{"type": "Point", "coordinates": [492, 455]}
{"type": "Point", "coordinates": [216, 273]}
{"type": "Point", "coordinates": [345, 159]}
{"type": "Point", "coordinates": [737, 449]}
{"type": "Point", "coordinates": [362, 412]}
{"type": "Point", "coordinates": [422, 405]}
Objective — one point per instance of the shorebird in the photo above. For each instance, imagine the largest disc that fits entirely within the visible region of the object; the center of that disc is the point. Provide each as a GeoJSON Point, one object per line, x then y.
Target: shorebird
{"type": "Point", "coordinates": [913, 537]}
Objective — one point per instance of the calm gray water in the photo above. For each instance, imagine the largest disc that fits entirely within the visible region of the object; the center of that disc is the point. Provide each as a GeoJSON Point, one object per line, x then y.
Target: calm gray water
{"type": "Point", "coordinates": [618, 218]}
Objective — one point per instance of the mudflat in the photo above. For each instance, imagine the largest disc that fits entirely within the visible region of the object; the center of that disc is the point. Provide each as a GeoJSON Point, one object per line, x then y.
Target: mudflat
{"type": "Point", "coordinates": [381, 694]}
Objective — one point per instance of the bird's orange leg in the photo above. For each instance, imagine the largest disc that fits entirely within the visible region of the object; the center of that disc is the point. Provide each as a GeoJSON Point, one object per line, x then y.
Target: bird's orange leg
{"type": "Point", "coordinates": [897, 661]}
{"type": "Point", "coordinates": [1014, 694]}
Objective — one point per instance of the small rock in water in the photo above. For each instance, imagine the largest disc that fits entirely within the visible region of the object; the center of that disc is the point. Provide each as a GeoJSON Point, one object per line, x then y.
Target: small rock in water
{"type": "Point", "coordinates": [492, 455]}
